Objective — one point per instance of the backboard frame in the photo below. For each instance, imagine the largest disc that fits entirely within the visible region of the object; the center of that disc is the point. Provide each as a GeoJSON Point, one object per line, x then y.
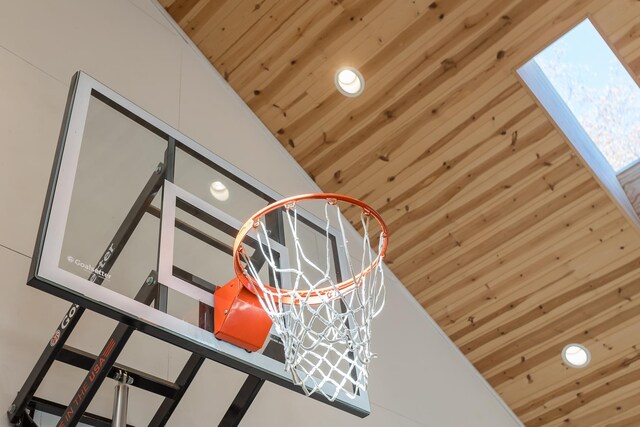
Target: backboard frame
{"type": "Point", "coordinates": [46, 275]}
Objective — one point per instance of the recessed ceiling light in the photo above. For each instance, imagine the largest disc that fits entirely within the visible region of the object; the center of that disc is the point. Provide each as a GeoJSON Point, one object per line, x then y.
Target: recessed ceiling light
{"type": "Point", "coordinates": [349, 81]}
{"type": "Point", "coordinates": [576, 355]}
{"type": "Point", "coordinates": [219, 191]}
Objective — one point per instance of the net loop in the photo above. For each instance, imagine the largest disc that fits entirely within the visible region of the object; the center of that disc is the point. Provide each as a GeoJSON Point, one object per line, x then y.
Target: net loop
{"type": "Point", "coordinates": [324, 323]}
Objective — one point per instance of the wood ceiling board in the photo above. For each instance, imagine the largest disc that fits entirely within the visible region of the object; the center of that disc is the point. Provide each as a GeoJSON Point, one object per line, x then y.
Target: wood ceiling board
{"type": "Point", "coordinates": [237, 23]}
{"type": "Point", "coordinates": [544, 269]}
{"type": "Point", "coordinates": [605, 368]}
{"type": "Point", "coordinates": [436, 60]}
{"type": "Point", "coordinates": [509, 279]}
{"type": "Point", "coordinates": [334, 37]}
{"type": "Point", "coordinates": [515, 248]}
{"type": "Point", "coordinates": [261, 35]}
{"type": "Point", "coordinates": [274, 57]}
{"type": "Point", "coordinates": [183, 10]}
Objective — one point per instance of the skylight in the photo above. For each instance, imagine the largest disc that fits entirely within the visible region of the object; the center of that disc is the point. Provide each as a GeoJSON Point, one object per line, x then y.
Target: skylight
{"type": "Point", "coordinates": [598, 91]}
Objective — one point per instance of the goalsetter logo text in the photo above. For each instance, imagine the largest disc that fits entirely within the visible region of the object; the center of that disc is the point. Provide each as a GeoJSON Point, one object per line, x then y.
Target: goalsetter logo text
{"type": "Point", "coordinates": [88, 267]}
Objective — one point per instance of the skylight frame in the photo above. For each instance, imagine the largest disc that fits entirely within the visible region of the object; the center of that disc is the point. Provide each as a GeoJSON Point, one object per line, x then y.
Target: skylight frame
{"type": "Point", "coordinates": [587, 73]}
{"type": "Point", "coordinates": [557, 110]}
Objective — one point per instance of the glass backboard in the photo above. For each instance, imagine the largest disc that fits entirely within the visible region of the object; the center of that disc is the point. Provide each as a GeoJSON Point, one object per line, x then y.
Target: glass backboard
{"type": "Point", "coordinates": [130, 196]}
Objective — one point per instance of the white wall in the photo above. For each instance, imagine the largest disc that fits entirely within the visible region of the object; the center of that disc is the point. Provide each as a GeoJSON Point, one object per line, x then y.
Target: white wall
{"type": "Point", "coordinates": [420, 378]}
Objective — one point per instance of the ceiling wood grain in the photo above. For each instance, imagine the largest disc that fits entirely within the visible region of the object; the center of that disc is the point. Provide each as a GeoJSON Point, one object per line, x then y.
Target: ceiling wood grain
{"type": "Point", "coordinates": [498, 228]}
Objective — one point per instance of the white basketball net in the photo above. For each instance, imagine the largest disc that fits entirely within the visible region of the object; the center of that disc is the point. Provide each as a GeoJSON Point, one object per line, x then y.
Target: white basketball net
{"type": "Point", "coordinates": [327, 344]}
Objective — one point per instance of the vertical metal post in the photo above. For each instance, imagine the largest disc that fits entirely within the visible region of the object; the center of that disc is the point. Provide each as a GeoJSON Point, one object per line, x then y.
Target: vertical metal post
{"type": "Point", "coordinates": [121, 399]}
{"type": "Point", "coordinates": [161, 300]}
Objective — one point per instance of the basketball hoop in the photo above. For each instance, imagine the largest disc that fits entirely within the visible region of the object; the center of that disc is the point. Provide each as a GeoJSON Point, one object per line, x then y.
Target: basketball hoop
{"type": "Point", "coordinates": [323, 320]}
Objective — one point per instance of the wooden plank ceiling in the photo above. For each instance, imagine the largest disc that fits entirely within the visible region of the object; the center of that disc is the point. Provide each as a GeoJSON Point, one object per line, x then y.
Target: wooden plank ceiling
{"type": "Point", "coordinates": [498, 229]}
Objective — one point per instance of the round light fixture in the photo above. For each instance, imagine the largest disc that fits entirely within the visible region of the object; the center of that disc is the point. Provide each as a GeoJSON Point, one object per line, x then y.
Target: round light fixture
{"type": "Point", "coordinates": [349, 81]}
{"type": "Point", "coordinates": [219, 191]}
{"type": "Point", "coordinates": [576, 355]}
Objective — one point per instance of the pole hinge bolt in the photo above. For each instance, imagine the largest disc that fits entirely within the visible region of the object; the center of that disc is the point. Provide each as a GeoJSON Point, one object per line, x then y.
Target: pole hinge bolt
{"type": "Point", "coordinates": [123, 376]}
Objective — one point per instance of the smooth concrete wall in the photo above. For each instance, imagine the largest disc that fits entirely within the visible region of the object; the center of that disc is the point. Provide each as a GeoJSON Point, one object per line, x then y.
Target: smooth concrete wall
{"type": "Point", "coordinates": [420, 378]}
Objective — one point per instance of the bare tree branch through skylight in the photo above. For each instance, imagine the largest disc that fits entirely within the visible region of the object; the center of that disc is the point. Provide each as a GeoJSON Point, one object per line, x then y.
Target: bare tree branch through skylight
{"type": "Point", "coordinates": [598, 90]}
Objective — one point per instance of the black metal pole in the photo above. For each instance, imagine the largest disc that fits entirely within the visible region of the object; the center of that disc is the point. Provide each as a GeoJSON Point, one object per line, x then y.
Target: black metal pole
{"type": "Point", "coordinates": [242, 402]}
{"type": "Point", "coordinates": [105, 360]}
{"type": "Point", "coordinates": [249, 390]}
{"type": "Point", "coordinates": [142, 380]}
{"type": "Point", "coordinates": [169, 405]}
{"type": "Point", "coordinates": [49, 407]}
{"type": "Point", "coordinates": [74, 313]}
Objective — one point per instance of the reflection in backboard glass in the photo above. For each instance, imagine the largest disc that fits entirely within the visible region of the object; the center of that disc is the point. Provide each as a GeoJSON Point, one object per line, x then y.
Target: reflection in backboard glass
{"type": "Point", "coordinates": [197, 175]}
{"type": "Point", "coordinates": [117, 159]}
{"type": "Point", "coordinates": [202, 249]}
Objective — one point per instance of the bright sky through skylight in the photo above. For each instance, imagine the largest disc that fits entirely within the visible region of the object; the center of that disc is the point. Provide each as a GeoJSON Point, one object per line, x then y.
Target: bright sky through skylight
{"type": "Point", "coordinates": [598, 90]}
